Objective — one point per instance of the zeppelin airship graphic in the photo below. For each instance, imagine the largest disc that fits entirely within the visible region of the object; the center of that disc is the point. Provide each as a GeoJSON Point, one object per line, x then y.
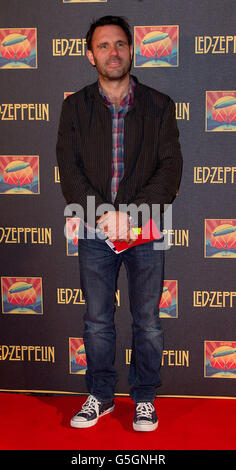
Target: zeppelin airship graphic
{"type": "Point", "coordinates": [14, 40]}
{"type": "Point", "coordinates": [229, 101]}
{"type": "Point", "coordinates": [154, 36]}
{"type": "Point", "coordinates": [223, 231]}
{"type": "Point", "coordinates": [226, 352]}
{"type": "Point", "coordinates": [20, 288]}
{"type": "Point", "coordinates": [17, 167]}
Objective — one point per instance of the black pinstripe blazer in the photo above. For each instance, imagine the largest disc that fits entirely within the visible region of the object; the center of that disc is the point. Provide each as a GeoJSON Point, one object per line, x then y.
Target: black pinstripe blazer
{"type": "Point", "coordinates": [152, 155]}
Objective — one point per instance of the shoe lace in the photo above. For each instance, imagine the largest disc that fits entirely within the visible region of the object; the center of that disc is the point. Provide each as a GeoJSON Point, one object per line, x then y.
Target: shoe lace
{"type": "Point", "coordinates": [144, 410]}
{"type": "Point", "coordinates": [90, 405]}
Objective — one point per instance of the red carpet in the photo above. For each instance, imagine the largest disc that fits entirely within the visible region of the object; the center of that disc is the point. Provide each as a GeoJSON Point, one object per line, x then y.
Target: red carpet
{"type": "Point", "coordinates": [42, 422]}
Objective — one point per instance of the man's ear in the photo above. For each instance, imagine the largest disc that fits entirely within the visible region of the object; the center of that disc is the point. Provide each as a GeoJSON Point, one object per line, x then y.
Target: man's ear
{"type": "Point", "coordinates": [131, 51]}
{"type": "Point", "coordinates": [90, 57]}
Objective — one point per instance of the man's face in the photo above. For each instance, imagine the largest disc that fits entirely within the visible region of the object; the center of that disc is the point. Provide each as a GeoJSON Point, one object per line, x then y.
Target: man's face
{"type": "Point", "coordinates": [111, 53]}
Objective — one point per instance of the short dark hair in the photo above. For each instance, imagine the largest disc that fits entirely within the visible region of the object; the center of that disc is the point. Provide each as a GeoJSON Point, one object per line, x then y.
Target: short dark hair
{"type": "Point", "coordinates": [109, 20]}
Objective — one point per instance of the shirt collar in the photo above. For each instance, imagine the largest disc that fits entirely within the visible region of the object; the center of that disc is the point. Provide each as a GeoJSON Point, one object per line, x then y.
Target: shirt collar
{"type": "Point", "coordinates": [127, 100]}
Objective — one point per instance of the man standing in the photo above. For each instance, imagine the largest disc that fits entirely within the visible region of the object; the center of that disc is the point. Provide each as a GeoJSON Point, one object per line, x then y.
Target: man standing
{"type": "Point", "coordinates": [118, 142]}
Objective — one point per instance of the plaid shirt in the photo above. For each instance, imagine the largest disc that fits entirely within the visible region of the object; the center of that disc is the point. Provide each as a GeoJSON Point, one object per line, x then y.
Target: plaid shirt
{"type": "Point", "coordinates": [118, 115]}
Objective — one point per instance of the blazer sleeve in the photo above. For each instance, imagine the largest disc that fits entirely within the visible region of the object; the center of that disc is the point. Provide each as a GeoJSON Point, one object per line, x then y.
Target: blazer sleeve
{"type": "Point", "coordinates": [163, 185]}
{"type": "Point", "coordinates": [74, 184]}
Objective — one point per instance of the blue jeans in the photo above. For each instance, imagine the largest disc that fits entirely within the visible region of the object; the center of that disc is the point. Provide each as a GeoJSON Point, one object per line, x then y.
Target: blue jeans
{"type": "Point", "coordinates": [99, 267]}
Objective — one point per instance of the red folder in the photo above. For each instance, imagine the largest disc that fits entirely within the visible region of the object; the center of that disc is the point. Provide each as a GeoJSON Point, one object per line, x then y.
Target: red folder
{"type": "Point", "coordinates": [146, 234]}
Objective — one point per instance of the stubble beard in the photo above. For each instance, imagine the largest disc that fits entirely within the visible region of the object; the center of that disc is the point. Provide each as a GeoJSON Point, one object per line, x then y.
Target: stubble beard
{"type": "Point", "coordinates": [116, 74]}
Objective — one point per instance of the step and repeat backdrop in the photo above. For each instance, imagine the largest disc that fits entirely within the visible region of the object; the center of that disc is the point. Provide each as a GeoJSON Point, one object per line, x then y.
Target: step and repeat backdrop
{"type": "Point", "coordinates": [185, 49]}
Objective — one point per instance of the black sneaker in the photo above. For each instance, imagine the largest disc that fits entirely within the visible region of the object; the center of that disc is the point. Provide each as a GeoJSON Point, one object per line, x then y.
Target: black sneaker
{"type": "Point", "coordinates": [91, 410]}
{"type": "Point", "coordinates": [145, 418]}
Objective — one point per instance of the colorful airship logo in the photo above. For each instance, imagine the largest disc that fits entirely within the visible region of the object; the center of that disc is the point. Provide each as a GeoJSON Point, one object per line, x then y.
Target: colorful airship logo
{"type": "Point", "coordinates": [77, 355]}
{"type": "Point", "coordinates": [156, 46]}
{"type": "Point", "coordinates": [220, 359]}
{"type": "Point", "coordinates": [168, 305]}
{"type": "Point", "coordinates": [19, 174]}
{"type": "Point", "coordinates": [220, 238]}
{"type": "Point", "coordinates": [68, 93]}
{"type": "Point", "coordinates": [21, 295]}
{"type": "Point", "coordinates": [72, 235]}
{"type": "Point", "coordinates": [18, 48]}
{"type": "Point", "coordinates": [221, 111]}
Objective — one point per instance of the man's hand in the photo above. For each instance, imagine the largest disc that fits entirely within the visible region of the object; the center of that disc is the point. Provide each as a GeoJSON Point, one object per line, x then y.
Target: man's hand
{"type": "Point", "coordinates": [117, 227]}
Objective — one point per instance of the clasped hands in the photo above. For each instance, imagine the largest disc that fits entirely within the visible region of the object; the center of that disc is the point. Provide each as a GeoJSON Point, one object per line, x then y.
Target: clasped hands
{"type": "Point", "coordinates": [116, 226]}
